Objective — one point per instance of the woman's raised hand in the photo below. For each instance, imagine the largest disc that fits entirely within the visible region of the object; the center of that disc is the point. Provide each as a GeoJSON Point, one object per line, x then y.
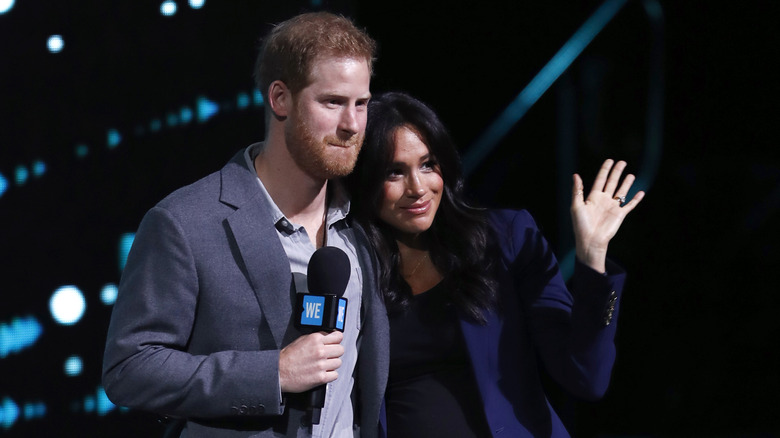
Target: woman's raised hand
{"type": "Point", "coordinates": [598, 217]}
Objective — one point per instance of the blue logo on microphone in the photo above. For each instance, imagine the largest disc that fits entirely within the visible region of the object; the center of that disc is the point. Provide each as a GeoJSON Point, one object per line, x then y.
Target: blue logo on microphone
{"type": "Point", "coordinates": [313, 309]}
{"type": "Point", "coordinates": [342, 311]}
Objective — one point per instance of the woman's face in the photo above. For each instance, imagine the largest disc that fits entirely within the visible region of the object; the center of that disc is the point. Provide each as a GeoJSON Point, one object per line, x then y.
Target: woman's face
{"type": "Point", "coordinates": [413, 186]}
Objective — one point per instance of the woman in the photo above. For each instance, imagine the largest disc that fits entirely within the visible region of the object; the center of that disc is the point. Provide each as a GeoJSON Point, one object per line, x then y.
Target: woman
{"type": "Point", "coordinates": [475, 299]}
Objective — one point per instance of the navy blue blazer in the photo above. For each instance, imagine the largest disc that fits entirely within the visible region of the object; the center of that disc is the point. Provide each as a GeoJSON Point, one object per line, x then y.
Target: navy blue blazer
{"type": "Point", "coordinates": [569, 331]}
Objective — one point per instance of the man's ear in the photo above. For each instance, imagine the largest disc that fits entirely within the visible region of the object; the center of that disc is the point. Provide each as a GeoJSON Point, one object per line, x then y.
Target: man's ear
{"type": "Point", "coordinates": [279, 99]}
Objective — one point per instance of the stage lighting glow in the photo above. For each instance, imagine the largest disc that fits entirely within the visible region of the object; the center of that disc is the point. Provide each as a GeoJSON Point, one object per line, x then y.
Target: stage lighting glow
{"type": "Point", "coordinates": [186, 115]}
{"type": "Point", "coordinates": [81, 150]}
{"type": "Point", "coordinates": [21, 333]}
{"type": "Point", "coordinates": [173, 119]}
{"type": "Point", "coordinates": [21, 174]}
{"type": "Point", "coordinates": [104, 405]}
{"type": "Point", "coordinates": [125, 243]}
{"type": "Point", "coordinates": [9, 412]}
{"type": "Point", "coordinates": [206, 109]}
{"type": "Point", "coordinates": [73, 366]}
{"type": "Point", "coordinates": [155, 125]}
{"type": "Point", "coordinates": [168, 8]}
{"type": "Point", "coordinates": [258, 98]}
{"type": "Point", "coordinates": [113, 138]}
{"type": "Point", "coordinates": [38, 168]}
{"type": "Point", "coordinates": [34, 410]}
{"type": "Point", "coordinates": [67, 305]}
{"type": "Point", "coordinates": [3, 184]}
{"type": "Point", "coordinates": [6, 5]}
{"type": "Point", "coordinates": [242, 101]}
{"type": "Point", "coordinates": [55, 43]}
{"type": "Point", "coordinates": [197, 4]}
{"type": "Point", "coordinates": [108, 294]}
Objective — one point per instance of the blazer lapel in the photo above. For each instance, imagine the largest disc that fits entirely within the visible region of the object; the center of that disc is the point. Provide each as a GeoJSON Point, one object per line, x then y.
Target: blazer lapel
{"type": "Point", "coordinates": [258, 245]}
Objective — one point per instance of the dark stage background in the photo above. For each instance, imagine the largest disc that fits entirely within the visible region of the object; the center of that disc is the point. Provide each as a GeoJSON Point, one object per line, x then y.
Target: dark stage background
{"type": "Point", "coordinates": [137, 104]}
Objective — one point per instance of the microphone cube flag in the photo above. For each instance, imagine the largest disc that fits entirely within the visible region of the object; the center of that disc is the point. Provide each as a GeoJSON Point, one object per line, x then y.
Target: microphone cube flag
{"type": "Point", "coordinates": [321, 312]}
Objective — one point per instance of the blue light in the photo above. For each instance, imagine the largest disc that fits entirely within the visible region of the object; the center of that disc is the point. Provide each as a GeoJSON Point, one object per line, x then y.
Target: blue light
{"type": "Point", "coordinates": [3, 184]}
{"type": "Point", "coordinates": [113, 138]}
{"type": "Point", "coordinates": [67, 305]}
{"type": "Point", "coordinates": [9, 412]}
{"type": "Point", "coordinates": [168, 8]}
{"type": "Point", "coordinates": [125, 243]}
{"type": "Point", "coordinates": [242, 101]}
{"type": "Point", "coordinates": [81, 150]}
{"type": "Point", "coordinates": [55, 43]}
{"type": "Point", "coordinates": [73, 366]}
{"type": "Point", "coordinates": [38, 168]}
{"type": "Point", "coordinates": [173, 119]}
{"type": "Point", "coordinates": [89, 403]}
{"type": "Point", "coordinates": [34, 410]}
{"type": "Point", "coordinates": [108, 294]}
{"type": "Point", "coordinates": [206, 109]}
{"type": "Point", "coordinates": [197, 4]}
{"type": "Point", "coordinates": [21, 333]}
{"type": "Point", "coordinates": [104, 405]}
{"type": "Point", "coordinates": [257, 96]}
{"type": "Point", "coordinates": [185, 114]}
{"type": "Point", "coordinates": [155, 125]}
{"type": "Point", "coordinates": [540, 83]}
{"type": "Point", "coordinates": [6, 5]}
{"type": "Point", "coordinates": [21, 174]}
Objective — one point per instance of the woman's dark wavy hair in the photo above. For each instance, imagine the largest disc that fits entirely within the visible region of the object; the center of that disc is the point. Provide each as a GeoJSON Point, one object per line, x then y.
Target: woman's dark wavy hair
{"type": "Point", "coordinates": [459, 239]}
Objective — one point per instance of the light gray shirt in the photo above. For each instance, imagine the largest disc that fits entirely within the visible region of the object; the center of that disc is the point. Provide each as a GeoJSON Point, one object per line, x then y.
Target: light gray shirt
{"type": "Point", "coordinates": [336, 418]}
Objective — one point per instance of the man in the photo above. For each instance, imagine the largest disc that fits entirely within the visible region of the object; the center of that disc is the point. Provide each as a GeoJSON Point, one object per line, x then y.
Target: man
{"type": "Point", "coordinates": [202, 327]}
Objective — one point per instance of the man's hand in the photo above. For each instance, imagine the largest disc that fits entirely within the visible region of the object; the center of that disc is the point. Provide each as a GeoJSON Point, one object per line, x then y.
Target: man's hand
{"type": "Point", "coordinates": [310, 361]}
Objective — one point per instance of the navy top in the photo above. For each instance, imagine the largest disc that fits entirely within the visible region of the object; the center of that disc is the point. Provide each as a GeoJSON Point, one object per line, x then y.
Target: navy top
{"type": "Point", "coordinates": [431, 390]}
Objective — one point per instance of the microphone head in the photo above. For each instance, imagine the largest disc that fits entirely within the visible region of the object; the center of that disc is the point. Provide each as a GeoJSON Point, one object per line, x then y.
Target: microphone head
{"type": "Point", "coordinates": [328, 271]}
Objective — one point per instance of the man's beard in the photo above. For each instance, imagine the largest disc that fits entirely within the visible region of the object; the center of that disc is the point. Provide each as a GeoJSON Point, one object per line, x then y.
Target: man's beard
{"type": "Point", "coordinates": [316, 156]}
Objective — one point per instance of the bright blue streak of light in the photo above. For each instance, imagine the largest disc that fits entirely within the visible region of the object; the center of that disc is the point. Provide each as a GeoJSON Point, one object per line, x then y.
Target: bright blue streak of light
{"type": "Point", "coordinates": [55, 43]}
{"type": "Point", "coordinates": [104, 405]}
{"type": "Point", "coordinates": [257, 97]}
{"type": "Point", "coordinates": [73, 366]}
{"type": "Point", "coordinates": [186, 115]}
{"type": "Point", "coordinates": [197, 4]}
{"type": "Point", "coordinates": [3, 184]}
{"type": "Point", "coordinates": [242, 101]}
{"type": "Point", "coordinates": [21, 174]}
{"type": "Point", "coordinates": [113, 138]}
{"type": "Point", "coordinates": [540, 83]}
{"type": "Point", "coordinates": [108, 294]}
{"type": "Point", "coordinates": [125, 243]}
{"type": "Point", "coordinates": [21, 333]}
{"type": "Point", "coordinates": [6, 6]}
{"type": "Point", "coordinates": [39, 168]}
{"type": "Point", "coordinates": [9, 412]}
{"type": "Point", "coordinates": [206, 109]}
{"type": "Point", "coordinates": [168, 8]}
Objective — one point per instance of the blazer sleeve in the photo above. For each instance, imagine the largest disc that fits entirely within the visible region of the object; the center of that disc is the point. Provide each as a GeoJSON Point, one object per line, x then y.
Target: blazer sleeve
{"type": "Point", "coordinates": [572, 328]}
{"type": "Point", "coordinates": [147, 364]}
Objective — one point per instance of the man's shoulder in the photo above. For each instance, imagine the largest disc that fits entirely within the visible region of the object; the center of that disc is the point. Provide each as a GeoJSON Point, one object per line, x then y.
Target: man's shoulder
{"type": "Point", "coordinates": [208, 189]}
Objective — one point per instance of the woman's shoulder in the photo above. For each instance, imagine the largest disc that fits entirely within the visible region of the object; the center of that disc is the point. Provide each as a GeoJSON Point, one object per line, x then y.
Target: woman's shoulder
{"type": "Point", "coordinates": [502, 219]}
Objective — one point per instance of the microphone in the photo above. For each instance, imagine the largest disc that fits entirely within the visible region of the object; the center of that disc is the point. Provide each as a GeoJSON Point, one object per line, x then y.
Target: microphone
{"type": "Point", "coordinates": [324, 308]}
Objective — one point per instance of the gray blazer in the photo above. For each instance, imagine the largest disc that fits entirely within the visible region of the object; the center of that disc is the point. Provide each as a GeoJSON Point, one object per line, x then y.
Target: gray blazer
{"type": "Point", "coordinates": [204, 307]}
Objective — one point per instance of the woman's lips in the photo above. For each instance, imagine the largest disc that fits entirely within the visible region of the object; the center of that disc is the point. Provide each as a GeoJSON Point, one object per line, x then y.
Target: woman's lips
{"type": "Point", "coordinates": [419, 208]}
